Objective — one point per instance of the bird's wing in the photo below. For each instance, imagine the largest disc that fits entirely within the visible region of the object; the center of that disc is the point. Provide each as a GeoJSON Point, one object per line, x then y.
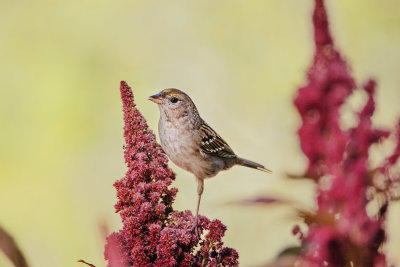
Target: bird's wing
{"type": "Point", "coordinates": [213, 144]}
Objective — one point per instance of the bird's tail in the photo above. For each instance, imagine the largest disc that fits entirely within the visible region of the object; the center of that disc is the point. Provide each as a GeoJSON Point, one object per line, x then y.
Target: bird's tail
{"type": "Point", "coordinates": [251, 164]}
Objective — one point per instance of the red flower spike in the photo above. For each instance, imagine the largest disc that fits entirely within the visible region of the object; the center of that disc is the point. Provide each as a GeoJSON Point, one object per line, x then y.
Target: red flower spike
{"type": "Point", "coordinates": [345, 235]}
{"type": "Point", "coordinates": [153, 233]}
{"type": "Point", "coordinates": [394, 157]}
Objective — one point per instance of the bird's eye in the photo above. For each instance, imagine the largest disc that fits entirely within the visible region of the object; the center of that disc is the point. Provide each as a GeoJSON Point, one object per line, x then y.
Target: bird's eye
{"type": "Point", "coordinates": [174, 99]}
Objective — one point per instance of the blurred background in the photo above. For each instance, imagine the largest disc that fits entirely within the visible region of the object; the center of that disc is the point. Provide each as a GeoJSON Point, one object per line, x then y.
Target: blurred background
{"type": "Point", "coordinates": [241, 61]}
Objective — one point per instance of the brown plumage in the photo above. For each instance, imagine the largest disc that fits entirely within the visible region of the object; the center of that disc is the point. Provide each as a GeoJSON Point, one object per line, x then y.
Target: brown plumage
{"type": "Point", "coordinates": [190, 142]}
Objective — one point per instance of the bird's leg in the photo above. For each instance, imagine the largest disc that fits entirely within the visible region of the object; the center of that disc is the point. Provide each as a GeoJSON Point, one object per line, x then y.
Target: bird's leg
{"type": "Point", "coordinates": [200, 188]}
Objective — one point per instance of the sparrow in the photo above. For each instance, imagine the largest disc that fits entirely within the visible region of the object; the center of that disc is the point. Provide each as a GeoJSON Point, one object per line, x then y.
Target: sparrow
{"type": "Point", "coordinates": [191, 143]}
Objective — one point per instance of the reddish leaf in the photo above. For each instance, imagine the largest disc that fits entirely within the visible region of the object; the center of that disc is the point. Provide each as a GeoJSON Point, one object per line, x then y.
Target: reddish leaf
{"type": "Point", "coordinates": [82, 261]}
{"type": "Point", "coordinates": [11, 249]}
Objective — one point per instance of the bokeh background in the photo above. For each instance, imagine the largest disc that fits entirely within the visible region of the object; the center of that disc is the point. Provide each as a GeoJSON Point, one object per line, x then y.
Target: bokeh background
{"type": "Point", "coordinates": [241, 61]}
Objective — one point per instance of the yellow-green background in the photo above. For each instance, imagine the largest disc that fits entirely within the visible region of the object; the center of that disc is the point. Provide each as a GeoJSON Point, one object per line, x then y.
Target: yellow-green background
{"type": "Point", "coordinates": [241, 61]}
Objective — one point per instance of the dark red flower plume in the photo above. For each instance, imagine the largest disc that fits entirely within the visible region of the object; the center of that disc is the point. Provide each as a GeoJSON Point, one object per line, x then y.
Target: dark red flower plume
{"type": "Point", "coordinates": [340, 233]}
{"type": "Point", "coordinates": [153, 233]}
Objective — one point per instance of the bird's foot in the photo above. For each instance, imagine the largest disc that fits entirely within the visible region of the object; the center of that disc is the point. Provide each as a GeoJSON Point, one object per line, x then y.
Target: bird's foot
{"type": "Point", "coordinates": [196, 230]}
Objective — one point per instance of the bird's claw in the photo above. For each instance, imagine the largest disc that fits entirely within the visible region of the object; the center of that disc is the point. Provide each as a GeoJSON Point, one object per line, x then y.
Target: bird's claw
{"type": "Point", "coordinates": [196, 230]}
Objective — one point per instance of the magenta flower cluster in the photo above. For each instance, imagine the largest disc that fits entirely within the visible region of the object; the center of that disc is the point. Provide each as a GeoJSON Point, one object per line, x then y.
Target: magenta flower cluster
{"type": "Point", "coordinates": [340, 232]}
{"type": "Point", "coordinates": [153, 233]}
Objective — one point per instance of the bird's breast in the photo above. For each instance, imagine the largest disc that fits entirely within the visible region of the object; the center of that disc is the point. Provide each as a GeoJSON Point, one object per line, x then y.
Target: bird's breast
{"type": "Point", "coordinates": [181, 145]}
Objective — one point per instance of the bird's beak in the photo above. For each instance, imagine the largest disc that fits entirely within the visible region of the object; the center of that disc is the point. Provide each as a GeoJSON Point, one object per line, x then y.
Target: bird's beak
{"type": "Point", "coordinates": [156, 98]}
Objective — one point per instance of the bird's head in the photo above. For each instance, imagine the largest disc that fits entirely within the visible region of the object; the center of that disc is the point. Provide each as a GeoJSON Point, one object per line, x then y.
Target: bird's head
{"type": "Point", "coordinates": [174, 103]}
